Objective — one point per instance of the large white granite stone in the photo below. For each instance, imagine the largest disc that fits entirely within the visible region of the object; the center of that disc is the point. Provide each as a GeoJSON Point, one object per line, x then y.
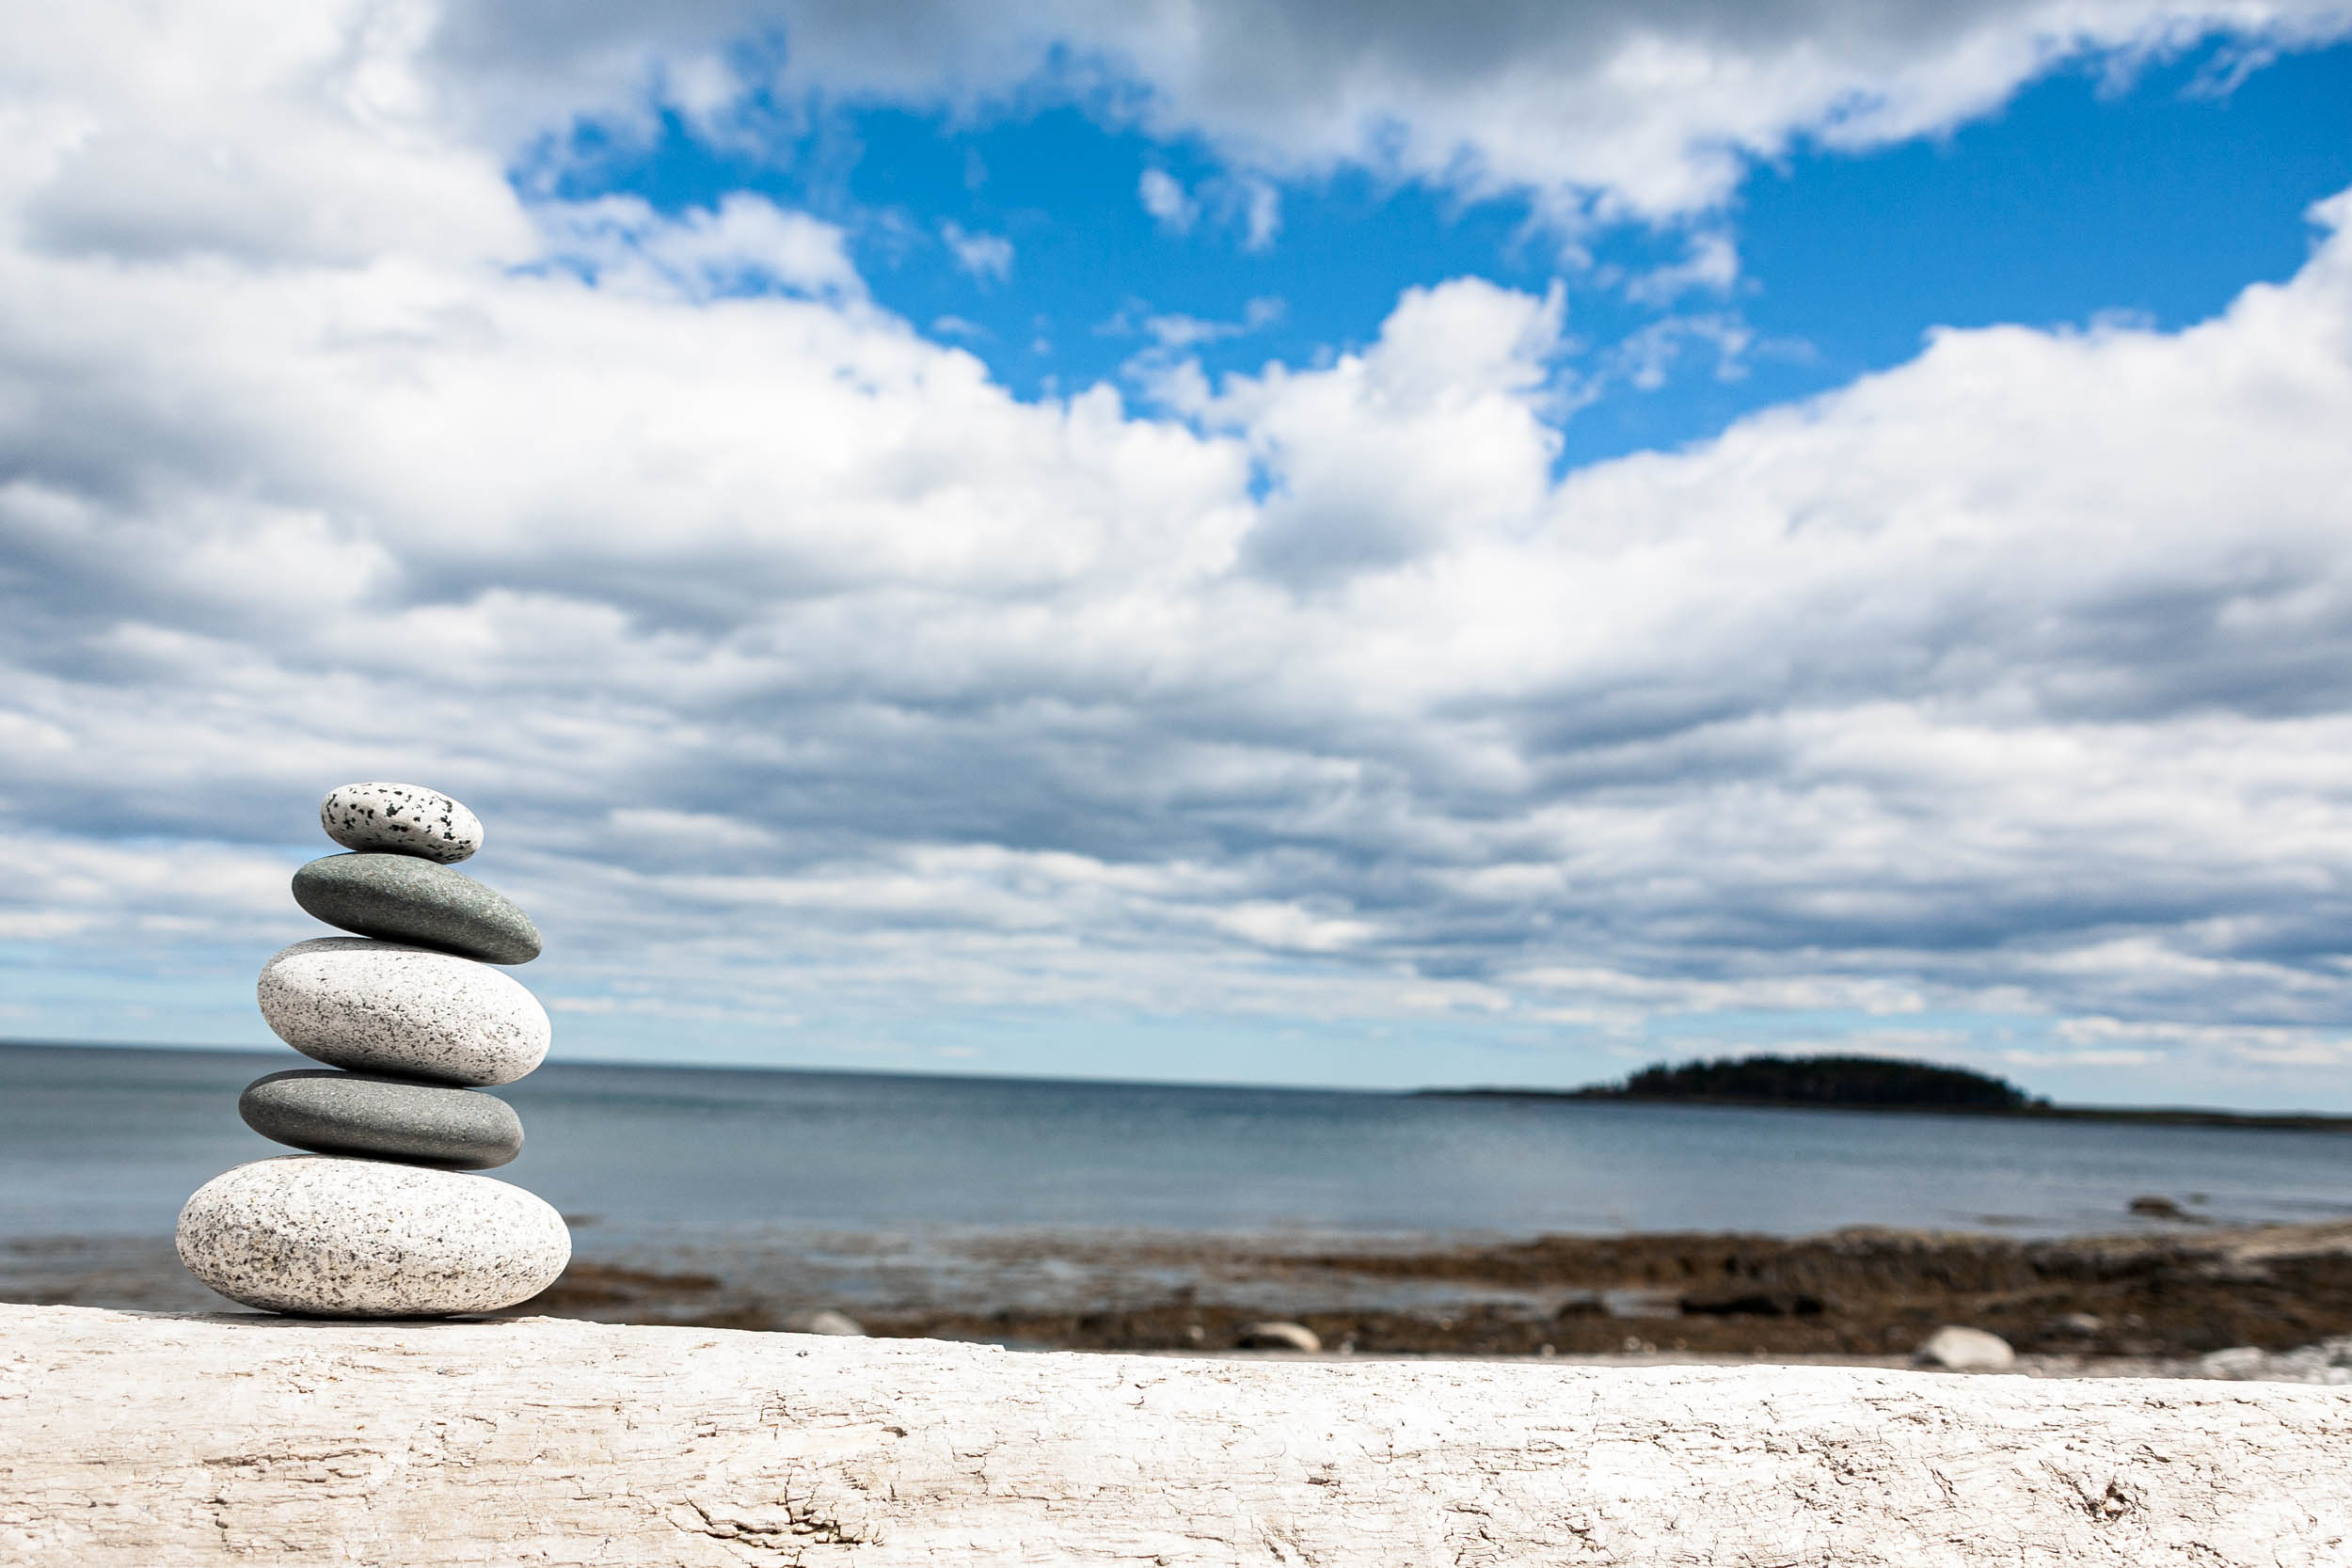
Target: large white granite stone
{"type": "Point", "coordinates": [380, 1007]}
{"type": "Point", "coordinates": [367, 1239]}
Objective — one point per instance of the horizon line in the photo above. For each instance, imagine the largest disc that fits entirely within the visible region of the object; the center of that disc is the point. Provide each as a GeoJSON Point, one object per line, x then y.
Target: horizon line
{"type": "Point", "coordinates": [1493, 1090]}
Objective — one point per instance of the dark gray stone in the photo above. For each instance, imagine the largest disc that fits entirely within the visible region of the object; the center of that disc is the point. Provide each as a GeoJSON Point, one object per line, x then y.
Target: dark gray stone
{"type": "Point", "coordinates": [402, 898]}
{"type": "Point", "coordinates": [390, 1119]}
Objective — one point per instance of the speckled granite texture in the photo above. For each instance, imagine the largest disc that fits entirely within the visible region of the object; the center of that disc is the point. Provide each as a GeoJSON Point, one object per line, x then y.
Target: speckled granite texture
{"type": "Point", "coordinates": [400, 819]}
{"type": "Point", "coordinates": [391, 1118]}
{"type": "Point", "coordinates": [379, 1007]}
{"type": "Point", "coordinates": [365, 1239]}
{"type": "Point", "coordinates": [401, 898]}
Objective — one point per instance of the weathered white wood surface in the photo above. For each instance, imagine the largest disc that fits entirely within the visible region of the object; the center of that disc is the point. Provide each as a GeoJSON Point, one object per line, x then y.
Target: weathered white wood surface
{"type": "Point", "coordinates": [151, 1440]}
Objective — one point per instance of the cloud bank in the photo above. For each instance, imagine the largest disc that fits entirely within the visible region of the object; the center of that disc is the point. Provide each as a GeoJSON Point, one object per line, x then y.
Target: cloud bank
{"type": "Point", "coordinates": [1596, 109]}
{"type": "Point", "coordinates": [811, 681]}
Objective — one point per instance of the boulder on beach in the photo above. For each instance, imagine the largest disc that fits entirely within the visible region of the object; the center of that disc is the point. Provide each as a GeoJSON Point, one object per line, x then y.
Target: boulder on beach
{"type": "Point", "coordinates": [1278, 1336]}
{"type": "Point", "coordinates": [2236, 1363]}
{"type": "Point", "coordinates": [824, 1320]}
{"type": "Point", "coordinates": [1956, 1349]}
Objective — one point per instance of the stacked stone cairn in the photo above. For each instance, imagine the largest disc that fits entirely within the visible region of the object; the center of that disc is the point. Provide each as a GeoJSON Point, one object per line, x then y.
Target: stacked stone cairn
{"type": "Point", "coordinates": [380, 1219]}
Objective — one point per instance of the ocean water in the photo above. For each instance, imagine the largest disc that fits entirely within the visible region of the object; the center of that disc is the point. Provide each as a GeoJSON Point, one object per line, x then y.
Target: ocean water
{"type": "Point", "coordinates": [105, 1143]}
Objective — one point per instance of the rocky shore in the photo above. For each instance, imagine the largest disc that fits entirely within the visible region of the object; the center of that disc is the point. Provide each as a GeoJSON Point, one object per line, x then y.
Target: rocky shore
{"type": "Point", "coordinates": [2180, 1300]}
{"type": "Point", "coordinates": [1862, 1295]}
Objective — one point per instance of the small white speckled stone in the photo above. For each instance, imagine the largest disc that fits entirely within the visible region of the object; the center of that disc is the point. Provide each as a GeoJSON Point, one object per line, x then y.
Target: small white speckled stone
{"type": "Point", "coordinates": [367, 1239]}
{"type": "Point", "coordinates": [400, 819]}
{"type": "Point", "coordinates": [379, 1007]}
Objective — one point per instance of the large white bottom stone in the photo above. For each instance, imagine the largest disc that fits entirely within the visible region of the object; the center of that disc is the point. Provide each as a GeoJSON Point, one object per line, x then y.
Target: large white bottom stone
{"type": "Point", "coordinates": [365, 1239]}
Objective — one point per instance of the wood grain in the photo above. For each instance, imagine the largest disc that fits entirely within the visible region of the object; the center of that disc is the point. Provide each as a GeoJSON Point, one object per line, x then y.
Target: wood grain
{"type": "Point", "coordinates": [148, 1440]}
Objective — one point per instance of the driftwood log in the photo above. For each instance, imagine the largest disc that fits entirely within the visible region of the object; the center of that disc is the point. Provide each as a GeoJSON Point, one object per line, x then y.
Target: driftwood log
{"type": "Point", "coordinates": [147, 1441]}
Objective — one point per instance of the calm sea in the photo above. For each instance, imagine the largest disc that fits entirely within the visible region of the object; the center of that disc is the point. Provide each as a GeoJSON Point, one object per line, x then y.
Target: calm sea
{"type": "Point", "coordinates": [108, 1143]}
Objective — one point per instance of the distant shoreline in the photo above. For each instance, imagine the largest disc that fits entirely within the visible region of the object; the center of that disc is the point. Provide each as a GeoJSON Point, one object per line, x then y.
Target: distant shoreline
{"type": "Point", "coordinates": [2277, 1121]}
{"type": "Point", "coordinates": [2154, 1116]}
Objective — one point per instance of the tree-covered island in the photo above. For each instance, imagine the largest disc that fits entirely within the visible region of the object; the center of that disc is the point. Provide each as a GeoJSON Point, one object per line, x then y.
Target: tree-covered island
{"type": "Point", "coordinates": [1877, 1084]}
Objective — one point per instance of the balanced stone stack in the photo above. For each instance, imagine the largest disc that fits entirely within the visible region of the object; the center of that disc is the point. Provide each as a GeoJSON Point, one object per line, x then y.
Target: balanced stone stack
{"type": "Point", "coordinates": [380, 1219]}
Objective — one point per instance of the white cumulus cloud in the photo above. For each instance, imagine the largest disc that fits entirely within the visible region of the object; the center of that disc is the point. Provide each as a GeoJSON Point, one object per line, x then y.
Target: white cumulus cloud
{"type": "Point", "coordinates": [988, 257]}
{"type": "Point", "coordinates": [1164, 196]}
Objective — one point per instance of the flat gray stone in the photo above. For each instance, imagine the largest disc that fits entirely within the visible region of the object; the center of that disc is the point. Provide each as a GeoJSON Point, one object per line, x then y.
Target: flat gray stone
{"type": "Point", "coordinates": [400, 819]}
{"type": "Point", "coordinates": [390, 1119]}
{"type": "Point", "coordinates": [377, 1006]}
{"type": "Point", "coordinates": [364, 1239]}
{"type": "Point", "coordinates": [402, 898]}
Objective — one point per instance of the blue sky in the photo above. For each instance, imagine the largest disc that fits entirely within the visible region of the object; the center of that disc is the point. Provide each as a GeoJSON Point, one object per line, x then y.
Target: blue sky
{"type": "Point", "coordinates": [2157, 197]}
{"type": "Point", "coordinates": [1299, 543]}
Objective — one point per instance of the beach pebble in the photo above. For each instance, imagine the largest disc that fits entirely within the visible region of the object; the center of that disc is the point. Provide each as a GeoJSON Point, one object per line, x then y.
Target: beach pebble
{"type": "Point", "coordinates": [377, 1006]}
{"type": "Point", "coordinates": [363, 1237]}
{"type": "Point", "coordinates": [400, 819]}
{"type": "Point", "coordinates": [1278, 1336]}
{"type": "Point", "coordinates": [824, 1320]}
{"type": "Point", "coordinates": [2238, 1363]}
{"type": "Point", "coordinates": [401, 898]}
{"type": "Point", "coordinates": [397, 1119]}
{"type": "Point", "coordinates": [1964, 1350]}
